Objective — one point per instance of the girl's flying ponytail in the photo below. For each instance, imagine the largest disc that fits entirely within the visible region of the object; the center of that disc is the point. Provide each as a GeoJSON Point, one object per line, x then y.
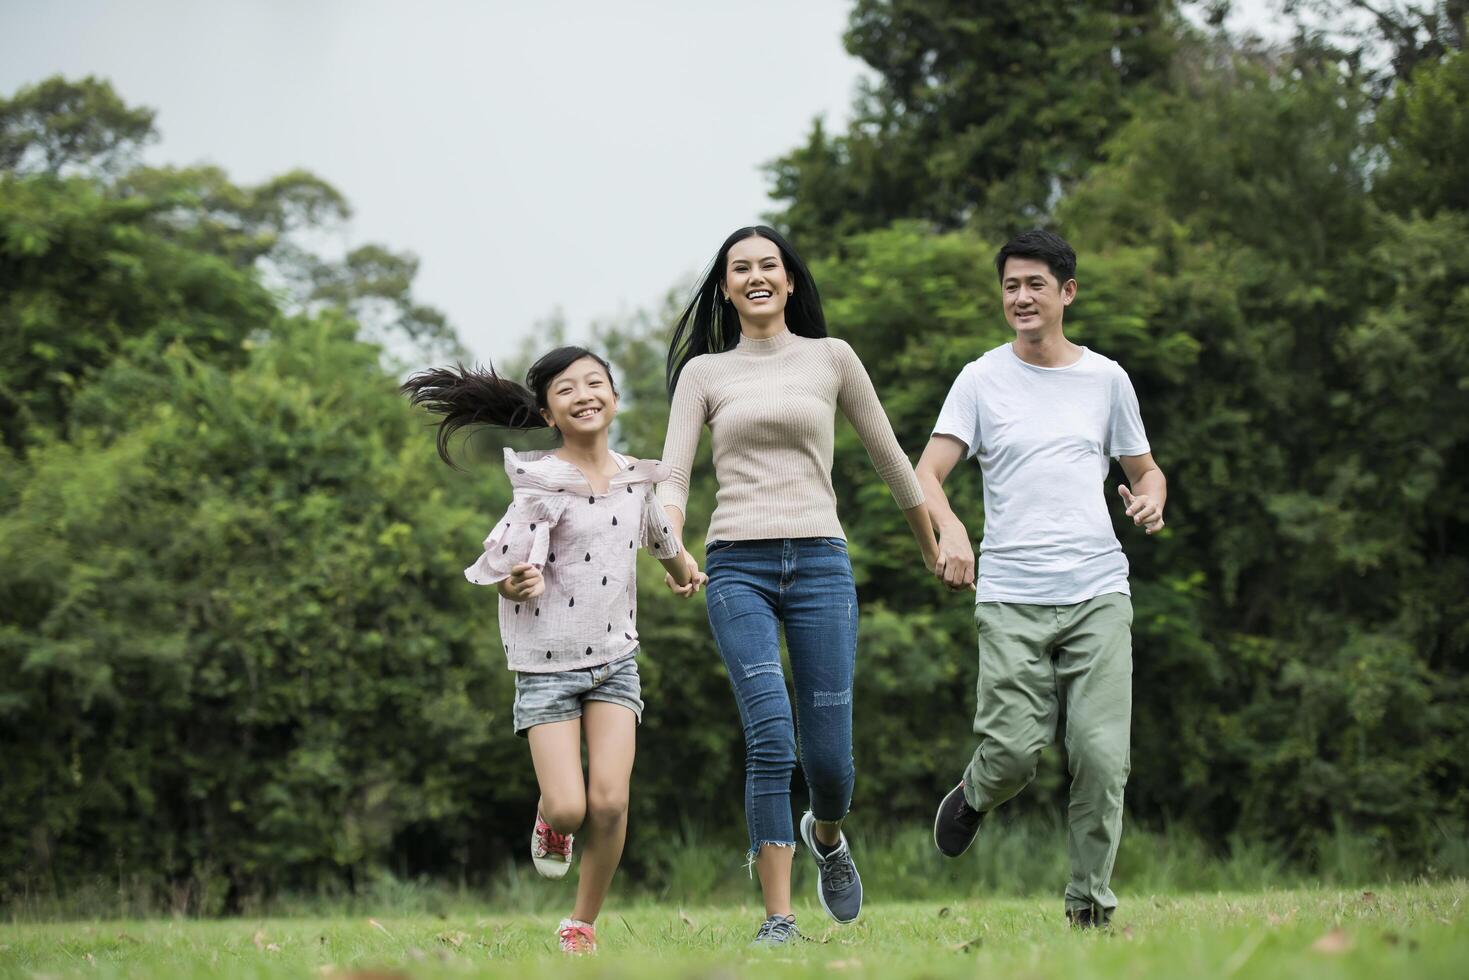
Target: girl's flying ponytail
{"type": "Point", "coordinates": [472, 396]}
{"type": "Point", "coordinates": [479, 396]}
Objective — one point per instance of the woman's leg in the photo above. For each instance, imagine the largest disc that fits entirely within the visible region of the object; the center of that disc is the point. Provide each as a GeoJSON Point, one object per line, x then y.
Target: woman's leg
{"type": "Point", "coordinates": [743, 590]}
{"type": "Point", "coordinates": [611, 731]}
{"type": "Point", "coordinates": [555, 751]}
{"type": "Point", "coordinates": [820, 617]}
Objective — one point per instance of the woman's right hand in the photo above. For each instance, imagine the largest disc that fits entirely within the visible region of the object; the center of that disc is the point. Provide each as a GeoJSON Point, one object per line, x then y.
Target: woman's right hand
{"type": "Point", "coordinates": [525, 582]}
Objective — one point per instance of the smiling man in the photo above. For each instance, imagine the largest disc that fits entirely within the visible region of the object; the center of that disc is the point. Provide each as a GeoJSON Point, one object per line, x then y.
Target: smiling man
{"type": "Point", "coordinates": [1044, 416]}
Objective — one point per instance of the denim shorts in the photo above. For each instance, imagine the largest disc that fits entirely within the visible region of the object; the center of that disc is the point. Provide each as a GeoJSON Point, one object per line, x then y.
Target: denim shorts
{"type": "Point", "coordinates": [541, 699]}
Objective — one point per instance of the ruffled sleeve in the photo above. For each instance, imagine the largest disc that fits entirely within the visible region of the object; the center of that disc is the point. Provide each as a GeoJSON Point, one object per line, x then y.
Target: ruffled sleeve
{"type": "Point", "coordinates": [522, 536]}
{"type": "Point", "coordinates": [657, 533]}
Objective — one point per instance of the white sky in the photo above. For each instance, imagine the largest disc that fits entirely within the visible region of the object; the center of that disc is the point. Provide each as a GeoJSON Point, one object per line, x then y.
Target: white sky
{"type": "Point", "coordinates": [535, 155]}
{"type": "Point", "coordinates": [542, 154]}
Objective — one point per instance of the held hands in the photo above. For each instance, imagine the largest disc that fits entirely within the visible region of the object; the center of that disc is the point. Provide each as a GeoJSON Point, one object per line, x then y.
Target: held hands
{"type": "Point", "coordinates": [697, 579]}
{"type": "Point", "coordinates": [955, 565]}
{"type": "Point", "coordinates": [1143, 509]}
{"type": "Point", "coordinates": [525, 582]}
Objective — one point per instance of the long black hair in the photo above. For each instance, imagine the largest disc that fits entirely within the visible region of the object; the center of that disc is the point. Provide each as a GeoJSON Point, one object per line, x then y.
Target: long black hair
{"type": "Point", "coordinates": [710, 324]}
{"type": "Point", "coordinates": [478, 396]}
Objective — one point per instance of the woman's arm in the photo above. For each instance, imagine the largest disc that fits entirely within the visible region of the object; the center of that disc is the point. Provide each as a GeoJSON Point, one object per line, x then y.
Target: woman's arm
{"type": "Point", "coordinates": [681, 441]}
{"type": "Point", "coordinates": [859, 403]}
{"type": "Point", "coordinates": [686, 417]}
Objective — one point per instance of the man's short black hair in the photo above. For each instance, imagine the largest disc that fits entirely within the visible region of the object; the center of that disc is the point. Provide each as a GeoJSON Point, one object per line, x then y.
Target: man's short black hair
{"type": "Point", "coordinates": [1046, 246]}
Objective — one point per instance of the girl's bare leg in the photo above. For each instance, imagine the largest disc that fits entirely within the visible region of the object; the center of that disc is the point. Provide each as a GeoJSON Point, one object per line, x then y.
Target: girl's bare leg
{"type": "Point", "coordinates": [555, 750]}
{"type": "Point", "coordinates": [611, 731]}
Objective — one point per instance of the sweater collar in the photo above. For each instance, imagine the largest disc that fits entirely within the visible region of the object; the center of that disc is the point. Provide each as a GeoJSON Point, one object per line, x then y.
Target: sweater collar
{"type": "Point", "coordinates": [766, 345]}
{"type": "Point", "coordinates": [541, 471]}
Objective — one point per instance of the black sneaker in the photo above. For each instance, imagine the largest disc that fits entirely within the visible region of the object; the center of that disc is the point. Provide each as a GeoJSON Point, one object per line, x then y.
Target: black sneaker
{"type": "Point", "coordinates": [956, 824]}
{"type": "Point", "coordinates": [777, 931]}
{"type": "Point", "coordinates": [838, 885]}
{"type": "Point", "coordinates": [1089, 917]}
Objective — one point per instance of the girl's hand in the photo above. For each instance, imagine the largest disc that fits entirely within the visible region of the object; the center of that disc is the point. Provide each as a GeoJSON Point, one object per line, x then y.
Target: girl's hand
{"type": "Point", "coordinates": [696, 579]}
{"type": "Point", "coordinates": [525, 582]}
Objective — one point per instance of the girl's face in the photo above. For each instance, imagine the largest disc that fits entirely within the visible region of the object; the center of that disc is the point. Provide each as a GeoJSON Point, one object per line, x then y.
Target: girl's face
{"type": "Point", "coordinates": [580, 400]}
{"type": "Point", "coordinates": [755, 279]}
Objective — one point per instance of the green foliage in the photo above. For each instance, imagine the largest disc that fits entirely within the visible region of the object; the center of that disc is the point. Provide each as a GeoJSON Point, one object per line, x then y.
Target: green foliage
{"type": "Point", "coordinates": [222, 624]}
{"type": "Point", "coordinates": [1425, 129]}
{"type": "Point", "coordinates": [84, 275]}
{"type": "Point", "coordinates": [60, 125]}
{"type": "Point", "coordinates": [978, 112]}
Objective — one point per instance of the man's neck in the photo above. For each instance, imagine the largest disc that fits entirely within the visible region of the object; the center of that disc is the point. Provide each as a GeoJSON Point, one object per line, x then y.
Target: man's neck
{"type": "Point", "coordinates": [1048, 349]}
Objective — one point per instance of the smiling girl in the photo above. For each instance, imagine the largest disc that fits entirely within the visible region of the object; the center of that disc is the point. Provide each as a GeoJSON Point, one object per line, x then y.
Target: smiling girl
{"type": "Point", "coordinates": [564, 560]}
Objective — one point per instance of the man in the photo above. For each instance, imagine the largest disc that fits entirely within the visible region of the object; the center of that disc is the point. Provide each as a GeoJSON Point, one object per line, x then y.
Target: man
{"type": "Point", "coordinates": [1043, 415]}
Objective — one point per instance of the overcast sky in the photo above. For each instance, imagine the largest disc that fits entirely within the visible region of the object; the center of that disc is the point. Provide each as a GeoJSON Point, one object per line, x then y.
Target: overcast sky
{"type": "Point", "coordinates": [541, 155]}
{"type": "Point", "coordinates": [564, 154]}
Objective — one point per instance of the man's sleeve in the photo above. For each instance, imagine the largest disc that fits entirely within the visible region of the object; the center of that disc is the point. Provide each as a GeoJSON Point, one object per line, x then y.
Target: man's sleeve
{"type": "Point", "coordinates": [960, 415]}
{"type": "Point", "coordinates": [1125, 433]}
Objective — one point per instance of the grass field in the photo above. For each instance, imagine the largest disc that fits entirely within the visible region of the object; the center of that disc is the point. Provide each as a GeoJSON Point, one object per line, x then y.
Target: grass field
{"type": "Point", "coordinates": [1408, 931]}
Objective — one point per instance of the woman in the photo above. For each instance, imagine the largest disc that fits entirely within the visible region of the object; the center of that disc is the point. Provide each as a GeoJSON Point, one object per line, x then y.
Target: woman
{"type": "Point", "coordinates": [750, 358]}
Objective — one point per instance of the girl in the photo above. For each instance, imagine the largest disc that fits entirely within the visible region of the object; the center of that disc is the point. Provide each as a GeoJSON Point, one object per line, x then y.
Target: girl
{"type": "Point", "coordinates": [750, 359]}
{"type": "Point", "coordinates": [564, 561]}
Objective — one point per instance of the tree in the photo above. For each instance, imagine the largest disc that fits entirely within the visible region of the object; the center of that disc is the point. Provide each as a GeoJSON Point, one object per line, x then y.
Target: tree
{"type": "Point", "coordinates": [979, 113]}
{"type": "Point", "coordinates": [61, 126]}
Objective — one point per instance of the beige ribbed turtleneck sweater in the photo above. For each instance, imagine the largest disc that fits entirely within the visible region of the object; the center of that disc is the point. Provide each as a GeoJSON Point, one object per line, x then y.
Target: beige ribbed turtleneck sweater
{"type": "Point", "coordinates": [771, 410]}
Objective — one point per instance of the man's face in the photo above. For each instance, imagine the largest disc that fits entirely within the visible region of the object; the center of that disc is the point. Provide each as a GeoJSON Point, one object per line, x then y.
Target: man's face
{"type": "Point", "coordinates": [1034, 300]}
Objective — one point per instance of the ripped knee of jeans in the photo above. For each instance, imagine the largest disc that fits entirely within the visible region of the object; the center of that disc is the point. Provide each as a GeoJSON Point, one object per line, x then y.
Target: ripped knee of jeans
{"type": "Point", "coordinates": [755, 670]}
{"type": "Point", "coordinates": [831, 699]}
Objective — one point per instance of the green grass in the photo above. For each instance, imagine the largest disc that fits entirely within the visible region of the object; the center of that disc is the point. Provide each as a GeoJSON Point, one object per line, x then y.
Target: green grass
{"type": "Point", "coordinates": [1402, 930]}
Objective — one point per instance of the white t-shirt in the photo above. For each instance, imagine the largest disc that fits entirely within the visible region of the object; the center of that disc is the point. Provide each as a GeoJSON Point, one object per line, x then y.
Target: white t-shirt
{"type": "Point", "coordinates": [1043, 437]}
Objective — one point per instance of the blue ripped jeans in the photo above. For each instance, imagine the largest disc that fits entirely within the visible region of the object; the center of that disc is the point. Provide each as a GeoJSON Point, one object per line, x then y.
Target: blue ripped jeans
{"type": "Point", "coordinates": [804, 585]}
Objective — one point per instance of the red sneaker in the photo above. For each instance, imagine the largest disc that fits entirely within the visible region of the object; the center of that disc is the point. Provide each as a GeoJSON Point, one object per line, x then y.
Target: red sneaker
{"type": "Point", "coordinates": [550, 851]}
{"type": "Point", "coordinates": [577, 938]}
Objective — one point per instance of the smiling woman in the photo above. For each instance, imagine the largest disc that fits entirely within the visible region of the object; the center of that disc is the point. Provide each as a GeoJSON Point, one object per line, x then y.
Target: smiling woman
{"type": "Point", "coordinates": [750, 359]}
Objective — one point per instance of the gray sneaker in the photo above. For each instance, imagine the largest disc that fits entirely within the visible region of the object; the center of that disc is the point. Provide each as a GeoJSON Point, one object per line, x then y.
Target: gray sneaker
{"type": "Point", "coordinates": [838, 885]}
{"type": "Point", "coordinates": [777, 931]}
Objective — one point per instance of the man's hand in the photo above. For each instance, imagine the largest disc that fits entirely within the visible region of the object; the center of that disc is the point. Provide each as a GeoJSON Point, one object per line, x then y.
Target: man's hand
{"type": "Point", "coordinates": [955, 566]}
{"type": "Point", "coordinates": [525, 582]}
{"type": "Point", "coordinates": [1144, 510]}
{"type": "Point", "coordinates": [697, 579]}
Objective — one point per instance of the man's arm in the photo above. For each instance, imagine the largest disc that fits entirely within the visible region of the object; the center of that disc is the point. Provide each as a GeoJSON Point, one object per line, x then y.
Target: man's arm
{"type": "Point", "coordinates": [955, 565]}
{"type": "Point", "coordinates": [1148, 494]}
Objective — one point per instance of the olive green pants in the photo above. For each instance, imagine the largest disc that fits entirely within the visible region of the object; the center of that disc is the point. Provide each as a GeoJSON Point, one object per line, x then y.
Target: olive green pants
{"type": "Point", "coordinates": [1032, 659]}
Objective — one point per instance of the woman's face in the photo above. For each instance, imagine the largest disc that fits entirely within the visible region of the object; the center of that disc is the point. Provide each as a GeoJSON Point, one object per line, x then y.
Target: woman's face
{"type": "Point", "coordinates": [580, 400]}
{"type": "Point", "coordinates": [755, 279]}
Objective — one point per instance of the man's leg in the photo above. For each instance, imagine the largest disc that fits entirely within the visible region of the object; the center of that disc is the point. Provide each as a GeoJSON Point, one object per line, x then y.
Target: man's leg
{"type": "Point", "coordinates": [1017, 702]}
{"type": "Point", "coordinates": [1094, 675]}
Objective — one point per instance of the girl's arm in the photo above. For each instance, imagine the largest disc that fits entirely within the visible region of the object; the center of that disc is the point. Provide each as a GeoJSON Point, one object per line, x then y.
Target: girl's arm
{"type": "Point", "coordinates": [679, 570]}
{"type": "Point", "coordinates": [516, 548]}
{"type": "Point", "coordinates": [859, 403]}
